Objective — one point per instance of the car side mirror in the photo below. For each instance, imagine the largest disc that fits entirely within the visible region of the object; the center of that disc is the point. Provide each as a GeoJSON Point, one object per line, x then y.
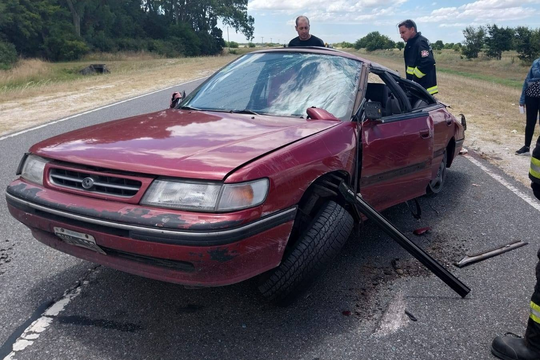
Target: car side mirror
{"type": "Point", "coordinates": [175, 98]}
{"type": "Point", "coordinates": [373, 110]}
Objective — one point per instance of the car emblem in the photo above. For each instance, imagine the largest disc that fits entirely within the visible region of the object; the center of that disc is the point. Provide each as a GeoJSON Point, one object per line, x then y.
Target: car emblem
{"type": "Point", "coordinates": [88, 183]}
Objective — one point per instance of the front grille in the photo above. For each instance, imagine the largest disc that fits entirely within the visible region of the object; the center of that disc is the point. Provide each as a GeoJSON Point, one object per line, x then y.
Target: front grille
{"type": "Point", "coordinates": [101, 184]}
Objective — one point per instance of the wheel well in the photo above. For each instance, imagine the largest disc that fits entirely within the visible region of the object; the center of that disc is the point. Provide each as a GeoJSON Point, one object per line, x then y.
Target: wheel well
{"type": "Point", "coordinates": [322, 189]}
{"type": "Point", "coordinates": [450, 149]}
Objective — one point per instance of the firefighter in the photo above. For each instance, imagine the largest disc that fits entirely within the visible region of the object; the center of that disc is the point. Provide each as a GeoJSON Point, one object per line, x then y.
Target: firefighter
{"type": "Point", "coordinates": [419, 60]}
{"type": "Point", "coordinates": [510, 346]}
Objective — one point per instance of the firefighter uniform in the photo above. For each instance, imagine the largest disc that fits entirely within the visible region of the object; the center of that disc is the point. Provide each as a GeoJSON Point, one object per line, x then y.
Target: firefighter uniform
{"type": "Point", "coordinates": [528, 347]}
{"type": "Point", "coordinates": [420, 63]}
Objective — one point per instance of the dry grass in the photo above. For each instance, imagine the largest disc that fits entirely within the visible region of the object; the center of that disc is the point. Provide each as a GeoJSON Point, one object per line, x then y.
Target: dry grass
{"type": "Point", "coordinates": [26, 72]}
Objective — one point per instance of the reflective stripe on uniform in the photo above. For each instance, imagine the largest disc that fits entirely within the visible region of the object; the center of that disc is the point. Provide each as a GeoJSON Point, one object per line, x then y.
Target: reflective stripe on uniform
{"type": "Point", "coordinates": [433, 90]}
{"type": "Point", "coordinates": [535, 313]}
{"type": "Point", "coordinates": [410, 70]}
{"type": "Point", "coordinates": [418, 73]}
{"type": "Point", "coordinates": [535, 168]}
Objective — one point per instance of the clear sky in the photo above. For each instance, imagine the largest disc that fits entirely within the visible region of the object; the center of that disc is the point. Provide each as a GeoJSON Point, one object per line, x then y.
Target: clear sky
{"type": "Point", "coordinates": [349, 20]}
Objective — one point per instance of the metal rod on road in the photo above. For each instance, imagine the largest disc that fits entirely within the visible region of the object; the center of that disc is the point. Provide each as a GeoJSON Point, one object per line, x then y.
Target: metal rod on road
{"type": "Point", "coordinates": [468, 260]}
{"type": "Point", "coordinates": [402, 240]}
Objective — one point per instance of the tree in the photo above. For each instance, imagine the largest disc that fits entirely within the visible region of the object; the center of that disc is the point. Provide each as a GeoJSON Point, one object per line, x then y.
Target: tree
{"type": "Point", "coordinates": [474, 40]}
{"type": "Point", "coordinates": [8, 55]}
{"type": "Point", "coordinates": [374, 41]}
{"type": "Point", "coordinates": [449, 45]}
{"type": "Point", "coordinates": [438, 45]}
{"type": "Point", "coordinates": [497, 40]}
{"type": "Point", "coordinates": [527, 43]}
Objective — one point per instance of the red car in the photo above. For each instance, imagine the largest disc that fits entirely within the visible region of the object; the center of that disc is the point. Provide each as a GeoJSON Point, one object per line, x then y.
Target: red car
{"type": "Point", "coordinates": [240, 178]}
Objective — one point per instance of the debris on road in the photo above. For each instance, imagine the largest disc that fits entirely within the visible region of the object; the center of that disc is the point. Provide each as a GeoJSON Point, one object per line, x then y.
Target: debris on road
{"type": "Point", "coordinates": [468, 260]}
{"type": "Point", "coordinates": [411, 316]}
{"type": "Point", "coordinates": [422, 231]}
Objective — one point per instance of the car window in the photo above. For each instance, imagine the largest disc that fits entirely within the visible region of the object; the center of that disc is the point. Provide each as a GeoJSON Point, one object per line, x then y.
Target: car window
{"type": "Point", "coordinates": [282, 83]}
{"type": "Point", "coordinates": [378, 90]}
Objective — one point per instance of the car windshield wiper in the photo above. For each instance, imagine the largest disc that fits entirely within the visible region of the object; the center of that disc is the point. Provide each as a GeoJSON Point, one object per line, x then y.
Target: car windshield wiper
{"type": "Point", "coordinates": [185, 107]}
{"type": "Point", "coordinates": [245, 111]}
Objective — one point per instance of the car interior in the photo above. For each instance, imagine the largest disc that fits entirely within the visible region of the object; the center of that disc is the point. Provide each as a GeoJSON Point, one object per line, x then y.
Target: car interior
{"type": "Point", "coordinates": [390, 102]}
{"type": "Point", "coordinates": [381, 93]}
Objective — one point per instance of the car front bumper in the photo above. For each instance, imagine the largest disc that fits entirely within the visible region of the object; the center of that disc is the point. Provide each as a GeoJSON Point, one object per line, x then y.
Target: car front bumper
{"type": "Point", "coordinates": [172, 246]}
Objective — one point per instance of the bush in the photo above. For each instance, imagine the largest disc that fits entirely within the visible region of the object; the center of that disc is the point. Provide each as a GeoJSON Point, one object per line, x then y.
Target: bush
{"type": "Point", "coordinates": [8, 55]}
{"type": "Point", "coordinates": [233, 44]}
{"type": "Point", "coordinates": [172, 47]}
{"type": "Point", "coordinates": [191, 44]}
{"type": "Point", "coordinates": [64, 49]}
{"type": "Point", "coordinates": [251, 45]}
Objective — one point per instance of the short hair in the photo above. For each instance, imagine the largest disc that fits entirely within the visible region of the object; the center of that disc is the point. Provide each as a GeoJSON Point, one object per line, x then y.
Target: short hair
{"type": "Point", "coordinates": [299, 17]}
{"type": "Point", "coordinates": [408, 24]}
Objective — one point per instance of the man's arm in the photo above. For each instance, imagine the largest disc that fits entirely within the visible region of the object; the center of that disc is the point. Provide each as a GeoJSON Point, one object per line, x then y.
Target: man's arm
{"type": "Point", "coordinates": [425, 59]}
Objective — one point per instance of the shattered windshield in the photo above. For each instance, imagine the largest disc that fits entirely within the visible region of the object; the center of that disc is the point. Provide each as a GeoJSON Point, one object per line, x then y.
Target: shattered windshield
{"type": "Point", "coordinates": [283, 84]}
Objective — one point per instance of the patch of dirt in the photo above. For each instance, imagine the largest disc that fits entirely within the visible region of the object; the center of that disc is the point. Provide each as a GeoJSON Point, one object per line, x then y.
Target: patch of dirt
{"type": "Point", "coordinates": [442, 248]}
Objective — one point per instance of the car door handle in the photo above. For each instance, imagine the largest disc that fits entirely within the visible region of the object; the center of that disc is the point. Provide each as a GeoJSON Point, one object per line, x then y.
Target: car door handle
{"type": "Point", "coordinates": [425, 134]}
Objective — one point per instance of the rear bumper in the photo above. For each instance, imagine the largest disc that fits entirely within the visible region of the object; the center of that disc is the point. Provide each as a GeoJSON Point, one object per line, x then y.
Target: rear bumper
{"type": "Point", "coordinates": [212, 257]}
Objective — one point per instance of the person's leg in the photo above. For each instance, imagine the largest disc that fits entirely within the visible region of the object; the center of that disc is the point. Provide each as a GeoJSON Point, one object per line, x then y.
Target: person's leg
{"type": "Point", "coordinates": [528, 348]}
{"type": "Point", "coordinates": [532, 107]}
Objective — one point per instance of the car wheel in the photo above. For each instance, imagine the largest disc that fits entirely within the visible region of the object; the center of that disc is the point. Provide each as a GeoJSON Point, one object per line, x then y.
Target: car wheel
{"type": "Point", "coordinates": [309, 256]}
{"type": "Point", "coordinates": [436, 185]}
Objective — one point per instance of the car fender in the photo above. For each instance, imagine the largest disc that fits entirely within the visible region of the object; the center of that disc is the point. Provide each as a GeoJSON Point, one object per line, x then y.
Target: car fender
{"type": "Point", "coordinates": [292, 169]}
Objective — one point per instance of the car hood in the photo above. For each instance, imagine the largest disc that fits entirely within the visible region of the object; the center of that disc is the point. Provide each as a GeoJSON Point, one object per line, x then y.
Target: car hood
{"type": "Point", "coordinates": [189, 144]}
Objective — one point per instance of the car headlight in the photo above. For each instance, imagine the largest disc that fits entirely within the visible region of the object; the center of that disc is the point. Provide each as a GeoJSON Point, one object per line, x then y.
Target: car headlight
{"type": "Point", "coordinates": [33, 169]}
{"type": "Point", "coordinates": [199, 196]}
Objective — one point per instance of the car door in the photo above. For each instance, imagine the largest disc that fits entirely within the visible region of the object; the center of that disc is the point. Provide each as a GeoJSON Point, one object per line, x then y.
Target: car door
{"type": "Point", "coordinates": [443, 125]}
{"type": "Point", "coordinates": [396, 149]}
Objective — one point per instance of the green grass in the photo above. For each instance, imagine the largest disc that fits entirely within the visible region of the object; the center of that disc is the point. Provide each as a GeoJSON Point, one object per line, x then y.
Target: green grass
{"type": "Point", "coordinates": [497, 80]}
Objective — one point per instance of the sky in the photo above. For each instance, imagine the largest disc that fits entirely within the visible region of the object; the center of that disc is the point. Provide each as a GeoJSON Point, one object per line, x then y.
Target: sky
{"type": "Point", "coordinates": [350, 20]}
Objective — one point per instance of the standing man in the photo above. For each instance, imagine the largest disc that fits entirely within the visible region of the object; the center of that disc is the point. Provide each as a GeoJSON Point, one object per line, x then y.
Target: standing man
{"type": "Point", "coordinates": [304, 38]}
{"type": "Point", "coordinates": [510, 346]}
{"type": "Point", "coordinates": [419, 60]}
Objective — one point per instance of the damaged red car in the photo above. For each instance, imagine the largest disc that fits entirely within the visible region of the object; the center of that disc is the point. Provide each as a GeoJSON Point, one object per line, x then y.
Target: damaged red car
{"type": "Point", "coordinates": [241, 178]}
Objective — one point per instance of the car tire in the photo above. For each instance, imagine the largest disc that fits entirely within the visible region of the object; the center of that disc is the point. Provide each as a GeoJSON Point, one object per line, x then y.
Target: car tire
{"type": "Point", "coordinates": [309, 256]}
{"type": "Point", "coordinates": [436, 185]}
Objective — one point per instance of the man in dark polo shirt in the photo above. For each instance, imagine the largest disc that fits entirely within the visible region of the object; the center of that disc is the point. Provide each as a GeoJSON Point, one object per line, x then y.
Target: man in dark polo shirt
{"type": "Point", "coordinates": [304, 38]}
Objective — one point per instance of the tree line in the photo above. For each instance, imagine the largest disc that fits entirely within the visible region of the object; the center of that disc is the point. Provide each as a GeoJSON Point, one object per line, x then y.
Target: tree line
{"type": "Point", "coordinates": [61, 30]}
{"type": "Point", "coordinates": [492, 40]}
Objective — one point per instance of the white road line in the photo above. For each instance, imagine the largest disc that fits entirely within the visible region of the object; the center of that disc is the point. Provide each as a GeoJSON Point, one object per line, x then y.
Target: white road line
{"type": "Point", "coordinates": [32, 332]}
{"type": "Point", "coordinates": [528, 199]}
{"type": "Point", "coordinates": [91, 111]}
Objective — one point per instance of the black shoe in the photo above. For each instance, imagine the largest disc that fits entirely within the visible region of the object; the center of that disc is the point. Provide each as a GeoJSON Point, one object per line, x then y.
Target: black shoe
{"type": "Point", "coordinates": [523, 151]}
{"type": "Point", "coordinates": [513, 347]}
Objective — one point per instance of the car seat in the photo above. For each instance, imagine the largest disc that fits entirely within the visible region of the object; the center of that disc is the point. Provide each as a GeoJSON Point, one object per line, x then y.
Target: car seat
{"type": "Point", "coordinates": [381, 93]}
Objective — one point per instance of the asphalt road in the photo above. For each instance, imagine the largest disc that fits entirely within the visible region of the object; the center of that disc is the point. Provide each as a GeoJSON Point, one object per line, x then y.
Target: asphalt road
{"type": "Point", "coordinates": [356, 311]}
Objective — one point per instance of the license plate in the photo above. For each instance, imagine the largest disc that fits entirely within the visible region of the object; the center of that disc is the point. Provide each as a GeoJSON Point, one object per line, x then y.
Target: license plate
{"type": "Point", "coordinates": [78, 239]}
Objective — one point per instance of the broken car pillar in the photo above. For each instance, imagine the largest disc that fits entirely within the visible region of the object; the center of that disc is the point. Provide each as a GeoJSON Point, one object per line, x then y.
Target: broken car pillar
{"type": "Point", "coordinates": [401, 239]}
